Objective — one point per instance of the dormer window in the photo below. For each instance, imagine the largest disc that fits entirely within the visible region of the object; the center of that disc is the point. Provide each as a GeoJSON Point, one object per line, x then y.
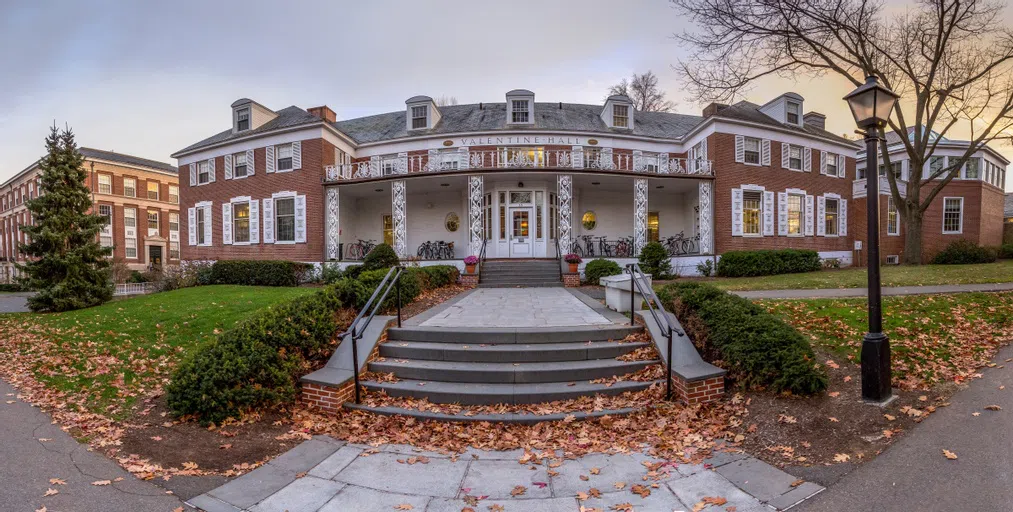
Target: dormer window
{"type": "Point", "coordinates": [420, 115]}
{"type": "Point", "coordinates": [242, 119]}
{"type": "Point", "coordinates": [794, 113]}
{"type": "Point", "coordinates": [621, 116]}
{"type": "Point", "coordinates": [519, 112]}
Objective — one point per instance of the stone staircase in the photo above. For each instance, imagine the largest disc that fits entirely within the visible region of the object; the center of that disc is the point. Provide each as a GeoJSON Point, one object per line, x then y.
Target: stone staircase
{"type": "Point", "coordinates": [520, 273]}
{"type": "Point", "coordinates": [474, 367]}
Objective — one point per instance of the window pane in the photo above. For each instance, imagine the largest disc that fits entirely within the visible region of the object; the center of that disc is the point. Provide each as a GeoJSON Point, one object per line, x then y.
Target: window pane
{"type": "Point", "coordinates": [794, 214]}
{"type": "Point", "coordinates": [153, 190]}
{"type": "Point", "coordinates": [951, 214]}
{"type": "Point", "coordinates": [751, 207]}
{"type": "Point", "coordinates": [241, 222]}
{"type": "Point", "coordinates": [285, 219]}
{"type": "Point", "coordinates": [830, 217]}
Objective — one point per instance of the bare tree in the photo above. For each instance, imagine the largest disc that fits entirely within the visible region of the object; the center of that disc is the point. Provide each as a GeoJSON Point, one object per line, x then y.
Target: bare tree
{"type": "Point", "coordinates": [950, 60]}
{"type": "Point", "coordinates": [445, 100]}
{"type": "Point", "coordinates": [643, 90]}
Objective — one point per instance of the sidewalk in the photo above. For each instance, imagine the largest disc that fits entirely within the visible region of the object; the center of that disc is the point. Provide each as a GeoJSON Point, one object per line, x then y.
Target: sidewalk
{"type": "Point", "coordinates": [914, 474]}
{"type": "Point", "coordinates": [33, 450]}
{"type": "Point", "coordinates": [838, 293]}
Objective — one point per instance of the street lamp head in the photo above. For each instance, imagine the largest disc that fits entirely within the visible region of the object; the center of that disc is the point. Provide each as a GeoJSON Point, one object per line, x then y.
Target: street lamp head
{"type": "Point", "coordinates": [871, 103]}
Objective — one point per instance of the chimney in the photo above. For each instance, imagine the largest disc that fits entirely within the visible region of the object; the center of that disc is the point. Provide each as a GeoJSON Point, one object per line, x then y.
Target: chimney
{"type": "Point", "coordinates": [323, 112]}
{"type": "Point", "coordinates": [815, 120]}
{"type": "Point", "coordinates": [713, 109]}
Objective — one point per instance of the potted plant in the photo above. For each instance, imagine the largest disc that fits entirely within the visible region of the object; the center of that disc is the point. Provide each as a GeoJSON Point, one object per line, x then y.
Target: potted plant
{"type": "Point", "coordinates": [469, 264]}
{"type": "Point", "coordinates": [573, 259]}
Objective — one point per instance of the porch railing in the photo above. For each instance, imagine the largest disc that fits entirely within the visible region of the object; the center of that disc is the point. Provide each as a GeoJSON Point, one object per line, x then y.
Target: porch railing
{"type": "Point", "coordinates": [657, 310]}
{"type": "Point", "coordinates": [599, 159]}
{"type": "Point", "coordinates": [860, 188]}
{"type": "Point", "coordinates": [134, 288]}
{"type": "Point", "coordinates": [358, 326]}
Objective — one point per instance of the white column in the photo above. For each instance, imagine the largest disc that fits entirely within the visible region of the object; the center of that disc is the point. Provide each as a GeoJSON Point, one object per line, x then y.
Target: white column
{"type": "Point", "coordinates": [639, 214]}
{"type": "Point", "coordinates": [476, 214]}
{"type": "Point", "coordinates": [564, 194]}
{"type": "Point", "coordinates": [398, 209]}
{"type": "Point", "coordinates": [333, 231]}
{"type": "Point", "coordinates": [706, 206]}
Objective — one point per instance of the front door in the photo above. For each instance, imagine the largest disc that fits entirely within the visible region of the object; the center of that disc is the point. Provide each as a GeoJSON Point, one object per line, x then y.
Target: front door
{"type": "Point", "coordinates": [155, 256]}
{"type": "Point", "coordinates": [521, 232]}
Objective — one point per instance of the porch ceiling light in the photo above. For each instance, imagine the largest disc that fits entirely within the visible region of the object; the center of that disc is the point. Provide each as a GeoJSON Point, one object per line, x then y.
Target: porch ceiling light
{"type": "Point", "coordinates": [660, 186]}
{"type": "Point", "coordinates": [871, 103]}
{"type": "Point", "coordinates": [444, 184]}
{"type": "Point", "coordinates": [596, 183]}
{"type": "Point", "coordinates": [379, 190]}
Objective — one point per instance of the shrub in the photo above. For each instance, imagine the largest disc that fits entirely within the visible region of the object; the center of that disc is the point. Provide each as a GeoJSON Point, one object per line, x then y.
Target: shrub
{"type": "Point", "coordinates": [258, 272]}
{"type": "Point", "coordinates": [382, 256]}
{"type": "Point", "coordinates": [963, 252]}
{"type": "Point", "coordinates": [9, 287]}
{"type": "Point", "coordinates": [411, 287]}
{"type": "Point", "coordinates": [353, 271]}
{"type": "Point", "coordinates": [440, 275]}
{"type": "Point", "coordinates": [599, 268]}
{"type": "Point", "coordinates": [331, 274]}
{"type": "Point", "coordinates": [768, 263]}
{"type": "Point", "coordinates": [831, 263]}
{"type": "Point", "coordinates": [756, 347]}
{"type": "Point", "coordinates": [654, 260]}
{"type": "Point", "coordinates": [137, 277]}
{"type": "Point", "coordinates": [705, 268]}
{"type": "Point", "coordinates": [1005, 251]}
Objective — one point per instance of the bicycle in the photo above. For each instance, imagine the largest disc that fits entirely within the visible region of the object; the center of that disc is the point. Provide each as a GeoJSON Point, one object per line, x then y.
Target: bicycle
{"type": "Point", "coordinates": [575, 248]}
{"type": "Point", "coordinates": [624, 248]}
{"type": "Point", "coordinates": [425, 250]}
{"type": "Point", "coordinates": [360, 249]}
{"type": "Point", "coordinates": [444, 250]}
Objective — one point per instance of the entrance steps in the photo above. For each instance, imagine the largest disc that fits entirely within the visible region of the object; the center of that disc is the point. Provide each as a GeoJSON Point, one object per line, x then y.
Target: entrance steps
{"type": "Point", "coordinates": [480, 367]}
{"type": "Point", "coordinates": [520, 273]}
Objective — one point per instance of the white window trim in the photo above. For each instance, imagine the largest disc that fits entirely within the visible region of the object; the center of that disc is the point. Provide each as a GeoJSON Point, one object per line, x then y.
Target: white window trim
{"type": "Point", "coordinates": [247, 175]}
{"type": "Point", "coordinates": [627, 116]}
{"type": "Point", "coordinates": [752, 188]}
{"type": "Point", "coordinates": [232, 202]}
{"type": "Point", "coordinates": [134, 187]}
{"type": "Point", "coordinates": [291, 148]}
{"type": "Point", "coordinates": [889, 202]}
{"type": "Point", "coordinates": [287, 194]}
{"type": "Point", "coordinates": [799, 114]}
{"type": "Point", "coordinates": [424, 117]}
{"type": "Point", "coordinates": [831, 195]}
{"type": "Point", "coordinates": [209, 218]}
{"type": "Point", "coordinates": [961, 230]}
{"type": "Point", "coordinates": [801, 157]}
{"type": "Point", "coordinates": [759, 151]}
{"type": "Point", "coordinates": [510, 111]}
{"type": "Point", "coordinates": [205, 162]}
{"type": "Point", "coordinates": [801, 193]}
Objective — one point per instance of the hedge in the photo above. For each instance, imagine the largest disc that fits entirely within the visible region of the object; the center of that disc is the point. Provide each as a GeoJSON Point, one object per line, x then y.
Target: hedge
{"type": "Point", "coordinates": [599, 268]}
{"type": "Point", "coordinates": [756, 348]}
{"type": "Point", "coordinates": [768, 263]}
{"type": "Point", "coordinates": [258, 272]}
{"type": "Point", "coordinates": [654, 260]}
{"type": "Point", "coordinates": [1006, 251]}
{"type": "Point", "coordinates": [962, 252]}
{"type": "Point", "coordinates": [259, 362]}
{"type": "Point", "coordinates": [382, 256]}
{"type": "Point", "coordinates": [10, 287]}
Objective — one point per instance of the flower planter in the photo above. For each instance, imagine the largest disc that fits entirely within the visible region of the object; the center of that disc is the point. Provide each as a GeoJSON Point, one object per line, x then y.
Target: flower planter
{"type": "Point", "coordinates": [573, 268]}
{"type": "Point", "coordinates": [470, 269]}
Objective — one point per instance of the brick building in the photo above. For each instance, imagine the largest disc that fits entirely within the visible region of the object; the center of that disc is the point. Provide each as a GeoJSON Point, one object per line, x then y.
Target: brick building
{"type": "Point", "coordinates": [519, 178]}
{"type": "Point", "coordinates": [139, 196]}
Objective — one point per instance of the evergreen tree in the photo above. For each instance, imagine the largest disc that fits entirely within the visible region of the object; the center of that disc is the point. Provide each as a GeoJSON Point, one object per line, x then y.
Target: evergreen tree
{"type": "Point", "coordinates": [65, 265]}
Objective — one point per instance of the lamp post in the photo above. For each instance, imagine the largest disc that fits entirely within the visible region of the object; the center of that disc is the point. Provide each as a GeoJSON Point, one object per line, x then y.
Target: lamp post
{"type": "Point", "coordinates": [871, 105]}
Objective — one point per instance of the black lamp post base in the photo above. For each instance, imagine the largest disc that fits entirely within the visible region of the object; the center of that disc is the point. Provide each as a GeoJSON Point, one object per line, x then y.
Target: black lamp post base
{"type": "Point", "coordinates": [876, 373]}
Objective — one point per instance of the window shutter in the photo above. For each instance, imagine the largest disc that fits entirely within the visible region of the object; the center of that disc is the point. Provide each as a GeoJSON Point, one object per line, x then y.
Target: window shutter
{"type": "Point", "coordinates": [268, 221]}
{"type": "Point", "coordinates": [842, 217]}
{"type": "Point", "coordinates": [254, 221]}
{"type": "Point", "coordinates": [191, 224]}
{"type": "Point", "coordinates": [463, 157]}
{"type": "Point", "coordinates": [211, 170]}
{"type": "Point", "coordinates": [296, 155]}
{"type": "Point", "coordinates": [809, 215]}
{"type": "Point", "coordinates": [785, 154]}
{"type": "Point", "coordinates": [577, 158]}
{"type": "Point", "coordinates": [821, 215]}
{"type": "Point", "coordinates": [765, 152]}
{"type": "Point", "coordinates": [228, 167]}
{"type": "Point", "coordinates": [250, 165]}
{"type": "Point", "coordinates": [740, 149]}
{"type": "Point", "coordinates": [782, 213]}
{"type": "Point", "coordinates": [208, 229]}
{"type": "Point", "coordinates": [841, 171]}
{"type": "Point", "coordinates": [768, 214]}
{"type": "Point", "coordinates": [300, 219]}
{"type": "Point", "coordinates": [807, 159]}
{"type": "Point", "coordinates": [823, 162]}
{"type": "Point", "coordinates": [269, 156]}
{"type": "Point", "coordinates": [193, 174]}
{"type": "Point", "coordinates": [736, 212]}
{"type": "Point", "coordinates": [227, 223]}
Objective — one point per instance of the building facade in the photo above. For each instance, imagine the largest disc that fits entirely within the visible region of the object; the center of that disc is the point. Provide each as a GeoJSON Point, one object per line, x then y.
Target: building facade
{"type": "Point", "coordinates": [140, 197]}
{"type": "Point", "coordinates": [519, 179]}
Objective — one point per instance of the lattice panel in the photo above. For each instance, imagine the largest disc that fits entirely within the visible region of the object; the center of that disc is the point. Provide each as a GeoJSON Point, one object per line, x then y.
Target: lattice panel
{"type": "Point", "coordinates": [639, 214]}
{"type": "Point", "coordinates": [332, 224]}
{"type": "Point", "coordinates": [706, 218]}
{"type": "Point", "coordinates": [476, 213]}
{"type": "Point", "coordinates": [398, 210]}
{"type": "Point", "coordinates": [565, 197]}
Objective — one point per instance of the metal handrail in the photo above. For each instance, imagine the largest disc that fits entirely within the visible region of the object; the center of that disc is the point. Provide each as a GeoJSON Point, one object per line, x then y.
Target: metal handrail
{"type": "Point", "coordinates": [358, 326]}
{"type": "Point", "coordinates": [636, 274]}
{"type": "Point", "coordinates": [481, 255]}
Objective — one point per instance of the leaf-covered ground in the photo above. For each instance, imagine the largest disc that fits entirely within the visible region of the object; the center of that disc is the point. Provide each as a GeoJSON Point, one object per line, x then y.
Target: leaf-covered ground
{"type": "Point", "coordinates": [893, 275]}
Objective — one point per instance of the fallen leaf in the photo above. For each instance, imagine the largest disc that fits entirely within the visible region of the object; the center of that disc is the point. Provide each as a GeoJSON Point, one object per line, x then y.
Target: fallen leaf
{"type": "Point", "coordinates": [619, 485]}
{"type": "Point", "coordinates": [847, 378]}
{"type": "Point", "coordinates": [102, 482]}
{"type": "Point", "coordinates": [582, 496]}
{"type": "Point", "coordinates": [540, 485]}
{"type": "Point", "coordinates": [595, 471]}
{"type": "Point", "coordinates": [584, 478]}
{"type": "Point", "coordinates": [43, 509]}
{"type": "Point", "coordinates": [834, 394]}
{"type": "Point", "coordinates": [993, 408]}
{"type": "Point", "coordinates": [797, 483]}
{"type": "Point", "coordinates": [949, 455]}
{"type": "Point", "coordinates": [301, 474]}
{"type": "Point", "coordinates": [519, 490]}
{"type": "Point", "coordinates": [833, 419]}
{"type": "Point", "coordinates": [403, 506]}
{"type": "Point", "coordinates": [975, 413]}
{"type": "Point", "coordinates": [51, 492]}
{"type": "Point", "coordinates": [842, 457]}
{"type": "Point", "coordinates": [889, 417]}
{"type": "Point", "coordinates": [496, 508]}
{"type": "Point", "coordinates": [641, 490]}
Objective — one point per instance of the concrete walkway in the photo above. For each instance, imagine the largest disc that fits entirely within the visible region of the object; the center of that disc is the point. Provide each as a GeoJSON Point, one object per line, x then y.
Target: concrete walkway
{"type": "Point", "coordinates": [914, 475]}
{"type": "Point", "coordinates": [33, 450]}
{"type": "Point", "coordinates": [837, 293]}
{"type": "Point", "coordinates": [16, 302]}
{"type": "Point", "coordinates": [517, 307]}
{"type": "Point", "coordinates": [326, 475]}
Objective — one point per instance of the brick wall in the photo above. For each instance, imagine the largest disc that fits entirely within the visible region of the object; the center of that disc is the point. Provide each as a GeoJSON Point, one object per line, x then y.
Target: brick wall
{"type": "Point", "coordinates": [698, 391]}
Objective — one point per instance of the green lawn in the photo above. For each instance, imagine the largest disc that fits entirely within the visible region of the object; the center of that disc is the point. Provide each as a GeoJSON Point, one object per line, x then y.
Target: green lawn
{"type": "Point", "coordinates": [900, 275]}
{"type": "Point", "coordinates": [119, 351]}
{"type": "Point", "coordinates": [934, 338]}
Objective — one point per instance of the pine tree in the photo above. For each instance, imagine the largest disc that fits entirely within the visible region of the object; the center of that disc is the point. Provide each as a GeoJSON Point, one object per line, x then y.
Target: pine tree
{"type": "Point", "coordinates": [65, 265]}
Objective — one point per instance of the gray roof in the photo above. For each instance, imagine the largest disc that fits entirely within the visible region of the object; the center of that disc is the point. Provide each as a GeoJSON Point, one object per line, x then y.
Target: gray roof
{"type": "Point", "coordinates": [892, 137]}
{"type": "Point", "coordinates": [126, 159]}
{"type": "Point", "coordinates": [748, 111]}
{"type": "Point", "coordinates": [287, 118]}
{"type": "Point", "coordinates": [492, 117]}
{"type": "Point", "coordinates": [1008, 207]}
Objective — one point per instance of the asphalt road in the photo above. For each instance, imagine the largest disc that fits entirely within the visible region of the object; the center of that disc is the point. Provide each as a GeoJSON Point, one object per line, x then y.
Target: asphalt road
{"type": "Point", "coordinates": [33, 450]}
{"type": "Point", "coordinates": [914, 475]}
{"type": "Point", "coordinates": [14, 302]}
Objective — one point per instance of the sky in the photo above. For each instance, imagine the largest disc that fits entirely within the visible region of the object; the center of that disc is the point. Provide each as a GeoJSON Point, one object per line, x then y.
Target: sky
{"type": "Point", "coordinates": [149, 78]}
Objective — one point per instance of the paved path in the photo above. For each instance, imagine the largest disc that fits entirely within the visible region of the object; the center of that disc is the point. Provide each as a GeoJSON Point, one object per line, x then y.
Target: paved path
{"type": "Point", "coordinates": [326, 475]}
{"type": "Point", "coordinates": [517, 307]}
{"type": "Point", "coordinates": [835, 293]}
{"type": "Point", "coordinates": [33, 450]}
{"type": "Point", "coordinates": [914, 475]}
{"type": "Point", "coordinates": [14, 302]}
